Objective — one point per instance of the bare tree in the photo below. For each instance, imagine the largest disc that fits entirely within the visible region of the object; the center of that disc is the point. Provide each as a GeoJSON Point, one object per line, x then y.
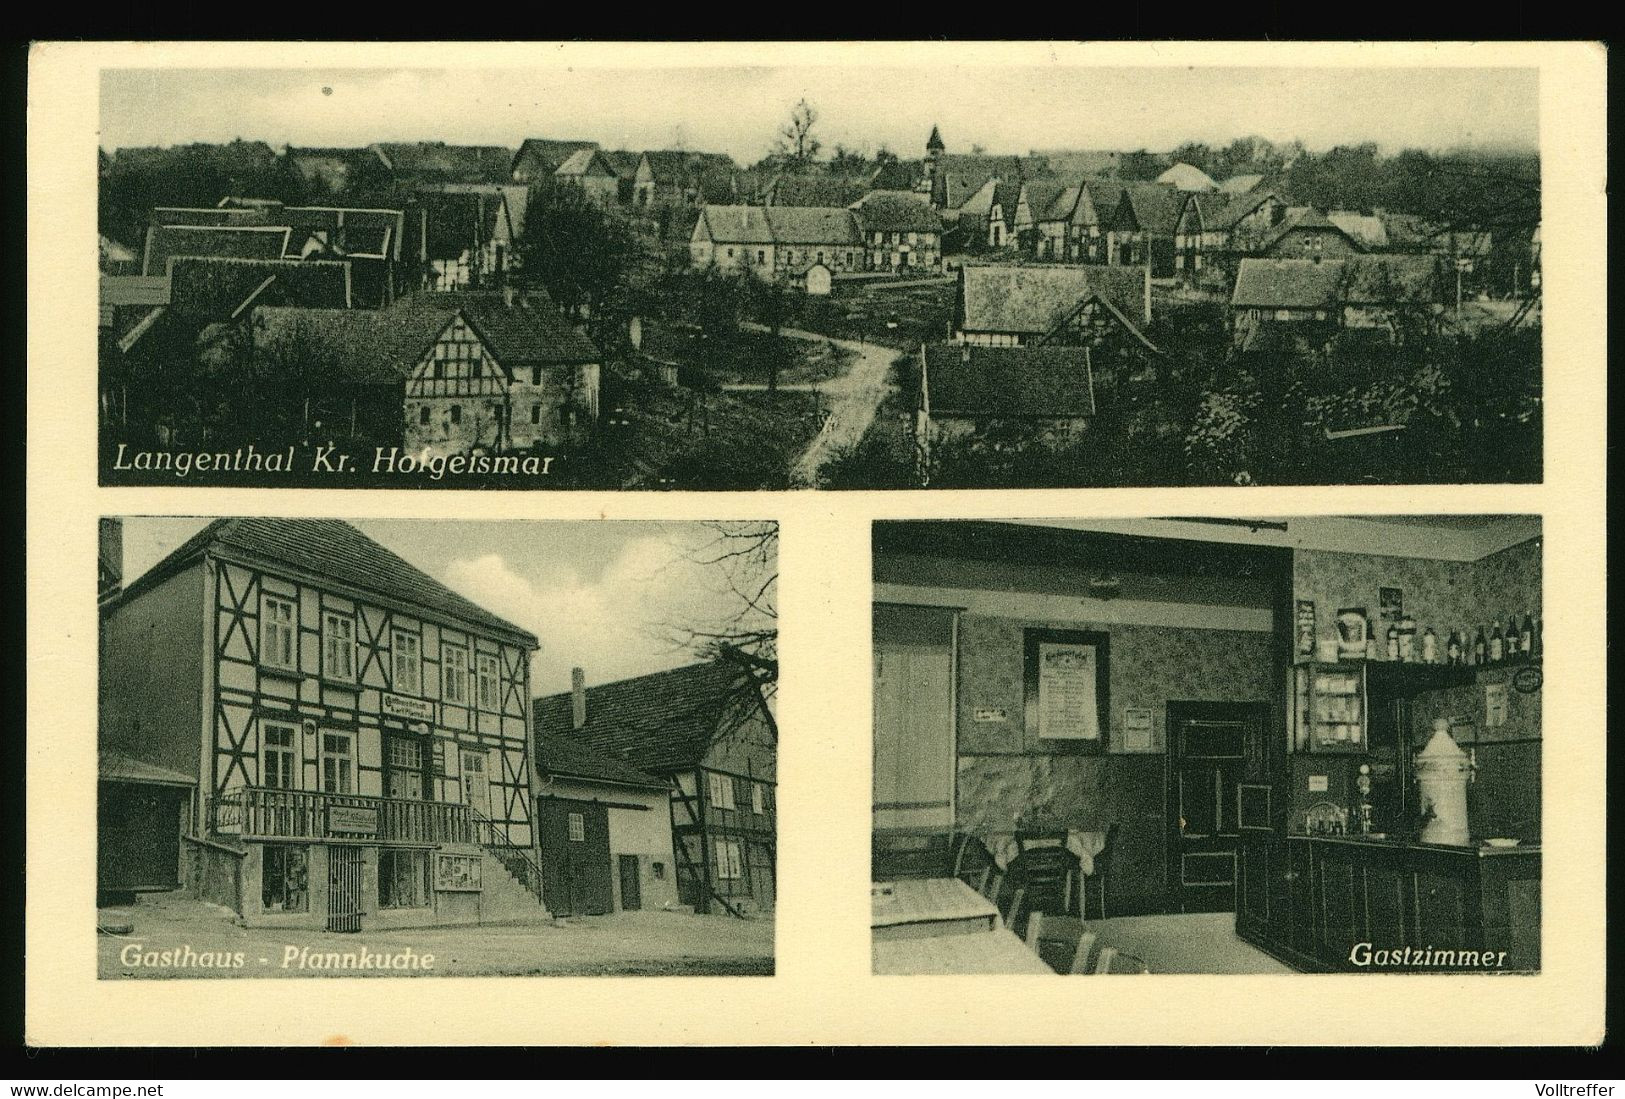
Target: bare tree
{"type": "Point", "coordinates": [796, 140]}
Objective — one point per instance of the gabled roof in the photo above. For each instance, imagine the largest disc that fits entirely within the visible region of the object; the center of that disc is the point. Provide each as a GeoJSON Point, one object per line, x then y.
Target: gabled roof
{"type": "Point", "coordinates": [586, 162]}
{"type": "Point", "coordinates": [363, 233]}
{"type": "Point", "coordinates": [659, 723]}
{"type": "Point", "coordinates": [1303, 218]}
{"type": "Point", "coordinates": [1188, 177]}
{"type": "Point", "coordinates": [1154, 207]}
{"type": "Point", "coordinates": [1007, 198]}
{"type": "Point", "coordinates": [362, 346]}
{"type": "Point", "coordinates": [1323, 284]}
{"type": "Point", "coordinates": [1286, 284]}
{"type": "Point", "coordinates": [531, 330]}
{"type": "Point", "coordinates": [1031, 299]}
{"type": "Point", "coordinates": [1044, 382]}
{"type": "Point", "coordinates": [206, 290]}
{"type": "Point", "coordinates": [815, 190]}
{"type": "Point", "coordinates": [437, 160]}
{"type": "Point", "coordinates": [1365, 228]}
{"type": "Point", "coordinates": [1053, 199]}
{"type": "Point", "coordinates": [896, 212]}
{"type": "Point", "coordinates": [959, 176]}
{"type": "Point", "coordinates": [1083, 162]}
{"type": "Point", "coordinates": [1240, 185]}
{"type": "Point", "coordinates": [833, 225]}
{"type": "Point", "coordinates": [679, 167]}
{"type": "Point", "coordinates": [165, 242]}
{"type": "Point", "coordinates": [623, 162]}
{"type": "Point", "coordinates": [559, 755]}
{"type": "Point", "coordinates": [541, 156]}
{"type": "Point", "coordinates": [335, 550]}
{"type": "Point", "coordinates": [737, 224]}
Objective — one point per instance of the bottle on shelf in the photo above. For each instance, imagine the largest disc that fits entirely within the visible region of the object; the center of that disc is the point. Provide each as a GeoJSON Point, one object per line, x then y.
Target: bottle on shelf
{"type": "Point", "coordinates": [1531, 637]}
{"type": "Point", "coordinates": [1514, 642]}
{"type": "Point", "coordinates": [1407, 640]}
{"type": "Point", "coordinates": [1430, 646]}
{"type": "Point", "coordinates": [1497, 644]}
{"type": "Point", "coordinates": [1481, 648]}
{"type": "Point", "coordinates": [1452, 648]}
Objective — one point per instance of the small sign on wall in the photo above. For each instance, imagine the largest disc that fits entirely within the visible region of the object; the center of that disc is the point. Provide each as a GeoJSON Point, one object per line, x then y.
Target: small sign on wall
{"type": "Point", "coordinates": [988, 714]}
{"type": "Point", "coordinates": [1138, 733]}
{"type": "Point", "coordinates": [1495, 705]}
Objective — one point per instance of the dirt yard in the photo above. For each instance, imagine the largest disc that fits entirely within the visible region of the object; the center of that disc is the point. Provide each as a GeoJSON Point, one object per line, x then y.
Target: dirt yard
{"type": "Point", "coordinates": [623, 944]}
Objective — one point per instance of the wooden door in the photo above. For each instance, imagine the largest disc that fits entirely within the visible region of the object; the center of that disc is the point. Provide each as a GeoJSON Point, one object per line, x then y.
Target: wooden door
{"type": "Point", "coordinates": [138, 836]}
{"type": "Point", "coordinates": [476, 782]}
{"type": "Point", "coordinates": [344, 888]}
{"type": "Point", "coordinates": [575, 858]}
{"type": "Point", "coordinates": [914, 719]}
{"type": "Point", "coordinates": [1209, 745]}
{"type": "Point", "coordinates": [631, 884]}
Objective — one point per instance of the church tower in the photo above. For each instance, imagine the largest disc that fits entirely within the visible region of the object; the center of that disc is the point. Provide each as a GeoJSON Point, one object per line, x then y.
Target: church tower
{"type": "Point", "coordinates": [934, 148]}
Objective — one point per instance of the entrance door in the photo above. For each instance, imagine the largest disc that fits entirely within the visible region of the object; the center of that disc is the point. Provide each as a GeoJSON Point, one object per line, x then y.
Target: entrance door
{"type": "Point", "coordinates": [344, 888]}
{"type": "Point", "coordinates": [575, 857]}
{"type": "Point", "coordinates": [476, 783]}
{"type": "Point", "coordinates": [631, 885]}
{"type": "Point", "coordinates": [1209, 744]}
{"type": "Point", "coordinates": [913, 738]}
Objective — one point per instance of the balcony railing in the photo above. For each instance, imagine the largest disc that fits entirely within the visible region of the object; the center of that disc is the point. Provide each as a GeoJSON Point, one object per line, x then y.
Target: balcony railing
{"type": "Point", "coordinates": [258, 812]}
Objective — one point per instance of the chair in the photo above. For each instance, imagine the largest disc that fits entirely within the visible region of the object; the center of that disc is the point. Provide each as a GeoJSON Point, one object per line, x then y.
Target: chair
{"type": "Point", "coordinates": [1047, 869]}
{"type": "Point", "coordinates": [1112, 960]}
{"type": "Point", "coordinates": [1069, 943]}
{"type": "Point", "coordinates": [1017, 899]}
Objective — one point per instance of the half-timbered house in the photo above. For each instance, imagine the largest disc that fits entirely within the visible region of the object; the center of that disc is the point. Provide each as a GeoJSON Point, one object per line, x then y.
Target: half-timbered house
{"type": "Point", "coordinates": [1015, 305]}
{"type": "Point", "coordinates": [350, 738]}
{"type": "Point", "coordinates": [706, 729]}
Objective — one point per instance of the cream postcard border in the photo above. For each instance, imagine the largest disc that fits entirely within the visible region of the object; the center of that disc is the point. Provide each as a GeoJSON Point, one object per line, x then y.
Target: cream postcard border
{"type": "Point", "coordinates": [823, 992]}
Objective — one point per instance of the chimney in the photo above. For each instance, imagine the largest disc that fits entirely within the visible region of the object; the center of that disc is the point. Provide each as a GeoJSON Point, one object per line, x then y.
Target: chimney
{"type": "Point", "coordinates": [578, 698]}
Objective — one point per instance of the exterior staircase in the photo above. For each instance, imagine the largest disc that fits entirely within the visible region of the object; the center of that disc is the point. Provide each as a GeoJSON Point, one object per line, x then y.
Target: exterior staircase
{"type": "Point", "coordinates": [518, 861]}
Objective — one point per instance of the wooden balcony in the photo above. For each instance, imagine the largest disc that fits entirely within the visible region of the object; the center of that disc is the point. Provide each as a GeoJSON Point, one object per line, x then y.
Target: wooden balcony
{"type": "Point", "coordinates": [260, 813]}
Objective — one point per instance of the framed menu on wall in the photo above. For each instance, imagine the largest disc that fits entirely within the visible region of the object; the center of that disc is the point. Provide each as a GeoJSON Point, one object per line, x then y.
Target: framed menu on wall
{"type": "Point", "coordinates": [1067, 689]}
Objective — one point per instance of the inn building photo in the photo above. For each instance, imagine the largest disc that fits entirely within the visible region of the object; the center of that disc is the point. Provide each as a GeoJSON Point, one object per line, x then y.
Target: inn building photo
{"type": "Point", "coordinates": [1309, 744]}
{"type": "Point", "coordinates": [305, 734]}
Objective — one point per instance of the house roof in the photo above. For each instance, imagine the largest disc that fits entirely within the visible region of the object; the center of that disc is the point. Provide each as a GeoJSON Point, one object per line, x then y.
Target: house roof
{"type": "Point", "coordinates": [206, 290]}
{"type": "Point", "coordinates": [1188, 177]}
{"type": "Point", "coordinates": [1082, 162]}
{"type": "Point", "coordinates": [515, 196]}
{"type": "Point", "coordinates": [1303, 218]}
{"type": "Point", "coordinates": [812, 225]}
{"type": "Point", "coordinates": [738, 224]}
{"type": "Point", "coordinates": [959, 176]}
{"type": "Point", "coordinates": [1321, 284]}
{"type": "Point", "coordinates": [356, 232]}
{"type": "Point", "coordinates": [531, 330]}
{"type": "Point", "coordinates": [333, 549]}
{"type": "Point", "coordinates": [363, 346]}
{"type": "Point", "coordinates": [165, 242]}
{"type": "Point", "coordinates": [1033, 298]}
{"type": "Point", "coordinates": [1007, 197]}
{"type": "Point", "coordinates": [436, 159]}
{"type": "Point", "coordinates": [1286, 283]}
{"type": "Point", "coordinates": [562, 756]}
{"type": "Point", "coordinates": [1053, 199]}
{"type": "Point", "coordinates": [1041, 382]}
{"type": "Point", "coordinates": [659, 723]}
{"type": "Point", "coordinates": [680, 166]}
{"type": "Point", "coordinates": [1365, 228]}
{"type": "Point", "coordinates": [586, 162]}
{"type": "Point", "coordinates": [114, 766]}
{"type": "Point", "coordinates": [1240, 185]}
{"type": "Point", "coordinates": [815, 190]}
{"type": "Point", "coordinates": [454, 222]}
{"type": "Point", "coordinates": [896, 212]}
{"type": "Point", "coordinates": [541, 156]}
{"type": "Point", "coordinates": [1155, 207]}
{"type": "Point", "coordinates": [935, 140]}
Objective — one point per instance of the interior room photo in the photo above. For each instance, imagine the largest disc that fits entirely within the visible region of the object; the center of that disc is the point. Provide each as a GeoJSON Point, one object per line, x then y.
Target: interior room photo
{"type": "Point", "coordinates": [1208, 745]}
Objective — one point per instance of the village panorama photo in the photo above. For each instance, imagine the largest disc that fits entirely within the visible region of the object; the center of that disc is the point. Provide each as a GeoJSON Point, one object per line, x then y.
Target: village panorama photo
{"type": "Point", "coordinates": [850, 276]}
{"type": "Point", "coordinates": [425, 748]}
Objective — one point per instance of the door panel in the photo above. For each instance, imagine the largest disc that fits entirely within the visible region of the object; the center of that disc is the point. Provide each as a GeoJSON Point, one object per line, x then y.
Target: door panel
{"type": "Point", "coordinates": [344, 888]}
{"type": "Point", "coordinates": [631, 885]}
{"type": "Point", "coordinates": [575, 858]}
{"type": "Point", "coordinates": [914, 723]}
{"type": "Point", "coordinates": [1209, 745]}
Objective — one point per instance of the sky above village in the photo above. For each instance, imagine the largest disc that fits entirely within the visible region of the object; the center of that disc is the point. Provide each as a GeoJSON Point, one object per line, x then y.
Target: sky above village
{"type": "Point", "coordinates": [603, 596]}
{"type": "Point", "coordinates": [737, 110]}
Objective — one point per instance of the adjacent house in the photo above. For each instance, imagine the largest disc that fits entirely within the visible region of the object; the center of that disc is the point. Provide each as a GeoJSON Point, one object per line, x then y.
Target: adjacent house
{"type": "Point", "coordinates": [777, 242]}
{"type": "Point", "coordinates": [900, 231]}
{"type": "Point", "coordinates": [1027, 393]}
{"type": "Point", "coordinates": [1187, 177]}
{"type": "Point", "coordinates": [1307, 234]}
{"type": "Point", "coordinates": [789, 189]}
{"type": "Point", "coordinates": [673, 177]}
{"type": "Point", "coordinates": [997, 216]}
{"type": "Point", "coordinates": [1140, 230]}
{"type": "Point", "coordinates": [706, 729]}
{"type": "Point", "coordinates": [460, 240]}
{"type": "Point", "coordinates": [1381, 293]}
{"type": "Point", "coordinates": [590, 171]}
{"type": "Point", "coordinates": [604, 828]}
{"type": "Point", "coordinates": [436, 162]}
{"type": "Point", "coordinates": [300, 725]}
{"type": "Point", "coordinates": [1017, 305]}
{"type": "Point", "coordinates": [539, 157]}
{"type": "Point", "coordinates": [1216, 230]}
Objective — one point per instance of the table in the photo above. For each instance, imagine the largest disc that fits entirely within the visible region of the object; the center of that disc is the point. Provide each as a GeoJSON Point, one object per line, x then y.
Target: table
{"type": "Point", "coordinates": [997, 951]}
{"type": "Point", "coordinates": [914, 909]}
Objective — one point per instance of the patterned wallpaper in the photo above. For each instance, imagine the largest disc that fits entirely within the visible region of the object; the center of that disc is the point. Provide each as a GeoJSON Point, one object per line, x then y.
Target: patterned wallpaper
{"type": "Point", "coordinates": [1003, 773]}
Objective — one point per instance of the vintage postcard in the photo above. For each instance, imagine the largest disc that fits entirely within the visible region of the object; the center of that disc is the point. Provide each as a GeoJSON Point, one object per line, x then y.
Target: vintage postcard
{"type": "Point", "coordinates": [1209, 441]}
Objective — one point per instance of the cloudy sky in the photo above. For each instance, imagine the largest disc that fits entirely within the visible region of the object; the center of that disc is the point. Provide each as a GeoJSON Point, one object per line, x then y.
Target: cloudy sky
{"type": "Point", "coordinates": [737, 110]}
{"type": "Point", "coordinates": [597, 594]}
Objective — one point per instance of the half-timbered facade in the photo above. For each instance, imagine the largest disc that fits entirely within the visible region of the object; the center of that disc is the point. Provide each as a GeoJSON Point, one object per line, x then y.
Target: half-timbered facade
{"type": "Point", "coordinates": [357, 733]}
{"type": "Point", "coordinates": [1019, 305]}
{"type": "Point", "coordinates": [706, 730]}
